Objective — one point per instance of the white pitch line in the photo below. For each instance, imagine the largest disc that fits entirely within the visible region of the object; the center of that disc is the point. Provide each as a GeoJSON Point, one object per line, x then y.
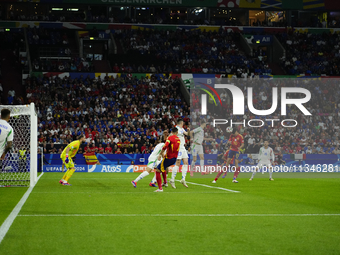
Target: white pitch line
{"type": "Point", "coordinates": [212, 187]}
{"type": "Point", "coordinates": [126, 192]}
{"type": "Point", "coordinates": [109, 179]}
{"type": "Point", "coordinates": [11, 217]}
{"type": "Point", "coordinates": [178, 215]}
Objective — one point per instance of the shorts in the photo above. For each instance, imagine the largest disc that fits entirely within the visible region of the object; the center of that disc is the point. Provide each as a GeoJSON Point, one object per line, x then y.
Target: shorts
{"type": "Point", "coordinates": [264, 163]}
{"type": "Point", "coordinates": [197, 149]}
{"type": "Point", "coordinates": [231, 154]}
{"type": "Point", "coordinates": [166, 163]}
{"type": "Point", "coordinates": [70, 163]}
{"type": "Point", "coordinates": [153, 162]}
{"type": "Point", "coordinates": [182, 153]}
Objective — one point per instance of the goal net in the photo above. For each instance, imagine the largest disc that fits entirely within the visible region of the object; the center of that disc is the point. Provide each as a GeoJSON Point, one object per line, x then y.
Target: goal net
{"type": "Point", "coordinates": [19, 168]}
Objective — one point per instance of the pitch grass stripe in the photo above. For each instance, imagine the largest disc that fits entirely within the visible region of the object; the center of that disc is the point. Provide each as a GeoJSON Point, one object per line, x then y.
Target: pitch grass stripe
{"type": "Point", "coordinates": [179, 215]}
{"type": "Point", "coordinates": [11, 217]}
{"type": "Point", "coordinates": [212, 187]}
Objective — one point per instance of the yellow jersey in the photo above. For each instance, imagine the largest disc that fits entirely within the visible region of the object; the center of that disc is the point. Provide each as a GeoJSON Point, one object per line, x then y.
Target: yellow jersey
{"type": "Point", "coordinates": [74, 147]}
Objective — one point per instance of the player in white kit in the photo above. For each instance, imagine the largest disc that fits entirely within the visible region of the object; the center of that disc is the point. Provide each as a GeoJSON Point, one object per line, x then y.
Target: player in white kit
{"type": "Point", "coordinates": [197, 147]}
{"type": "Point", "coordinates": [182, 155]}
{"type": "Point", "coordinates": [6, 134]}
{"type": "Point", "coordinates": [266, 156]}
{"type": "Point", "coordinates": [153, 160]}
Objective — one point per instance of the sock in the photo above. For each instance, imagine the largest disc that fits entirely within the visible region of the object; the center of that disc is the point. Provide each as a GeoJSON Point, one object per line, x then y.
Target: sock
{"type": "Point", "coordinates": [218, 175]}
{"type": "Point", "coordinates": [184, 171]}
{"type": "Point", "coordinates": [154, 178]}
{"type": "Point", "coordinates": [65, 175]}
{"type": "Point", "coordinates": [159, 180]}
{"type": "Point", "coordinates": [69, 175]}
{"type": "Point", "coordinates": [236, 172]}
{"type": "Point", "coordinates": [174, 172]}
{"type": "Point", "coordinates": [270, 173]}
{"type": "Point", "coordinates": [141, 176]}
{"type": "Point", "coordinates": [202, 165]}
{"type": "Point", "coordinates": [252, 176]}
{"type": "Point", "coordinates": [164, 177]}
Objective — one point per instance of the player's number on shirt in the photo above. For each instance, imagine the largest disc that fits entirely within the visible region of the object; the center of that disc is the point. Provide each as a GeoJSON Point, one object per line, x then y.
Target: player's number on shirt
{"type": "Point", "coordinates": [172, 147]}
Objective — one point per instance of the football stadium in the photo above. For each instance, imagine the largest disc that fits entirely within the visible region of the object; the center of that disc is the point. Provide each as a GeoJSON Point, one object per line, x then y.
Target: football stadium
{"type": "Point", "coordinates": [170, 127]}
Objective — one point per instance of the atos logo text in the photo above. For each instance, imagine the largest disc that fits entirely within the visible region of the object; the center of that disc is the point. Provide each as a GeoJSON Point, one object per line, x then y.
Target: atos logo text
{"type": "Point", "coordinates": [111, 168]}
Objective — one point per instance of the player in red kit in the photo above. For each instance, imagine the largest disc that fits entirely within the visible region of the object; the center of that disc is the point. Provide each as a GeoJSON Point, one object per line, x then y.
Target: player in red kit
{"type": "Point", "coordinates": [225, 158]}
{"type": "Point", "coordinates": [169, 154]}
{"type": "Point", "coordinates": [236, 143]}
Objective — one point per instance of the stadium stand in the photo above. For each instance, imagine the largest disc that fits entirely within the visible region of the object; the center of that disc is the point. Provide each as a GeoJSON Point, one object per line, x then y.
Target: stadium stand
{"type": "Point", "coordinates": [51, 106]}
{"type": "Point", "coordinates": [193, 51]}
{"type": "Point", "coordinates": [308, 53]}
{"type": "Point", "coordinates": [172, 51]}
{"type": "Point", "coordinates": [123, 112]}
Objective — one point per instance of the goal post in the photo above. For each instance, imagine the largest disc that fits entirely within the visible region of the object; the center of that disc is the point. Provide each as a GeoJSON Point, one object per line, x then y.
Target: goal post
{"type": "Point", "coordinates": [19, 168]}
{"type": "Point", "coordinates": [34, 146]}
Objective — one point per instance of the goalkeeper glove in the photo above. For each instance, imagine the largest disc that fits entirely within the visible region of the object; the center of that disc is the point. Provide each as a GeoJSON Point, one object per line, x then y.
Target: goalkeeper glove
{"type": "Point", "coordinates": [66, 160]}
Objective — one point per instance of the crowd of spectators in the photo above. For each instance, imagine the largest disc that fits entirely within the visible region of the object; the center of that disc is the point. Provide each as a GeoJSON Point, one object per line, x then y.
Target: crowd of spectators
{"type": "Point", "coordinates": [317, 134]}
{"type": "Point", "coordinates": [124, 113]}
{"type": "Point", "coordinates": [311, 53]}
{"type": "Point", "coordinates": [128, 114]}
{"type": "Point", "coordinates": [76, 64]}
{"type": "Point", "coordinates": [117, 119]}
{"type": "Point", "coordinates": [192, 51]}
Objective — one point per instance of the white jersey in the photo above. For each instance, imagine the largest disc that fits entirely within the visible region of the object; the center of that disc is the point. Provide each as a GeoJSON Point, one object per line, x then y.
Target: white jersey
{"type": "Point", "coordinates": [157, 150]}
{"type": "Point", "coordinates": [6, 134]}
{"type": "Point", "coordinates": [265, 155]}
{"type": "Point", "coordinates": [153, 161]}
{"type": "Point", "coordinates": [198, 135]}
{"type": "Point", "coordinates": [180, 135]}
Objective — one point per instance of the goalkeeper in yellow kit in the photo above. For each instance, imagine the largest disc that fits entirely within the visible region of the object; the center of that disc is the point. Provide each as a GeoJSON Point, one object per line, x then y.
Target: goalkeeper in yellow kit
{"type": "Point", "coordinates": [66, 156]}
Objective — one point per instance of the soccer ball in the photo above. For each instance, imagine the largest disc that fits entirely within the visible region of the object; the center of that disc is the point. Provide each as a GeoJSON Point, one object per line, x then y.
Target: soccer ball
{"type": "Point", "coordinates": [229, 129]}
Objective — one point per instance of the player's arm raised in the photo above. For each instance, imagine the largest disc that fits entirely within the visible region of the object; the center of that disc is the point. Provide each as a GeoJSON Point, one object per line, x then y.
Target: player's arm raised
{"type": "Point", "coordinates": [186, 132]}
{"type": "Point", "coordinates": [7, 149]}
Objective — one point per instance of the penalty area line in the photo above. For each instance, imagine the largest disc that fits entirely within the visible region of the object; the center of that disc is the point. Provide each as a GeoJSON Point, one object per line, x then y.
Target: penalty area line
{"type": "Point", "coordinates": [11, 217]}
{"type": "Point", "coordinates": [212, 187]}
{"type": "Point", "coordinates": [178, 215]}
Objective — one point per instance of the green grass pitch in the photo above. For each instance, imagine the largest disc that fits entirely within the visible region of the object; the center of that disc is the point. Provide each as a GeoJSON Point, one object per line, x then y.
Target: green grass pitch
{"type": "Point", "coordinates": [101, 213]}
